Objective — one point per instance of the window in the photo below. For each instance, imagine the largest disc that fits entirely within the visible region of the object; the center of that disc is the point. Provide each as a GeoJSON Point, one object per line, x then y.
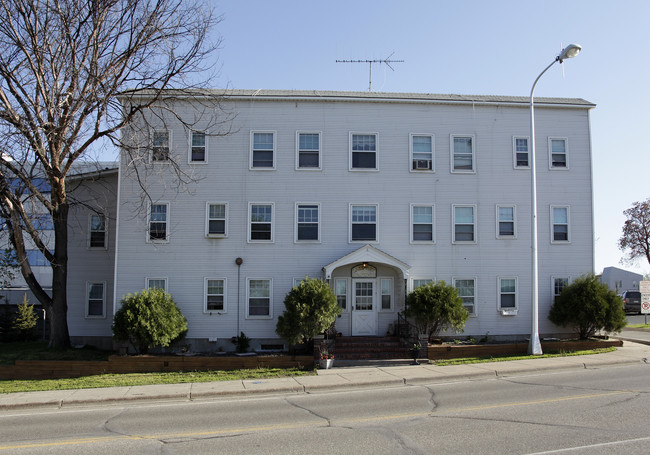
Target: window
{"type": "Point", "coordinates": [158, 222]}
{"type": "Point", "coordinates": [259, 298]}
{"type": "Point", "coordinates": [421, 152]}
{"type": "Point", "coordinates": [160, 146]}
{"type": "Point", "coordinates": [95, 298]}
{"type": "Point", "coordinates": [559, 283]}
{"type": "Point", "coordinates": [341, 291]}
{"type": "Point", "coordinates": [560, 221]}
{"type": "Point", "coordinates": [466, 290]}
{"type": "Point", "coordinates": [97, 231]}
{"type": "Point", "coordinates": [307, 220]}
{"type": "Point", "coordinates": [308, 150]}
{"type": "Point", "coordinates": [507, 293]}
{"type": "Point", "coordinates": [216, 219]}
{"type": "Point", "coordinates": [364, 223]}
{"type": "Point", "coordinates": [386, 293]}
{"type": "Point", "coordinates": [262, 150]}
{"type": "Point", "coordinates": [520, 148]}
{"type": "Point", "coordinates": [260, 223]}
{"type": "Point", "coordinates": [506, 221]}
{"type": "Point", "coordinates": [363, 151]}
{"type": "Point", "coordinates": [462, 153]}
{"type": "Point", "coordinates": [156, 283]}
{"type": "Point", "coordinates": [417, 282]}
{"type": "Point", "coordinates": [198, 148]}
{"type": "Point", "coordinates": [422, 223]}
{"type": "Point", "coordinates": [558, 157]}
{"type": "Point", "coordinates": [215, 292]}
{"type": "Point", "coordinates": [464, 225]}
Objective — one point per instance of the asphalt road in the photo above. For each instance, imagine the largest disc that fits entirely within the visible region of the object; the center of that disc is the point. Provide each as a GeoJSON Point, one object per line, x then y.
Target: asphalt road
{"type": "Point", "coordinates": [587, 411]}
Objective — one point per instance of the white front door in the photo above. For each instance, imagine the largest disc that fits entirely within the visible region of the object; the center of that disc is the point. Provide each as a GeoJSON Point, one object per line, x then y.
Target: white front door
{"type": "Point", "coordinates": [364, 308]}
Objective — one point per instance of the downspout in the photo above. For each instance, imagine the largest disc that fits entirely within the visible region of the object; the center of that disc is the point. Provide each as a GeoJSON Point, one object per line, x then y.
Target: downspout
{"type": "Point", "coordinates": [239, 262]}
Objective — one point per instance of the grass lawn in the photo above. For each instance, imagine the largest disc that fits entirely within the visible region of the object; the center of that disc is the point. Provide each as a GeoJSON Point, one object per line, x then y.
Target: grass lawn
{"type": "Point", "coordinates": [37, 350]}
{"type": "Point", "coordinates": [638, 326]}
{"type": "Point", "coordinates": [470, 360]}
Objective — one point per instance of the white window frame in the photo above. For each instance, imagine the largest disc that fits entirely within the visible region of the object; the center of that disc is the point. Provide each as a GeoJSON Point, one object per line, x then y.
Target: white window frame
{"type": "Point", "coordinates": [90, 231]}
{"type": "Point", "coordinates": [568, 224]}
{"type": "Point", "coordinates": [252, 150]}
{"type": "Point", "coordinates": [433, 224]}
{"type": "Point", "coordinates": [412, 160]}
{"type": "Point", "coordinates": [507, 311]}
{"type": "Point", "coordinates": [351, 152]}
{"type": "Point", "coordinates": [320, 151]}
{"type": "Point", "coordinates": [414, 279]}
{"type": "Point", "coordinates": [95, 316]}
{"type": "Point", "coordinates": [208, 219]}
{"type": "Point", "coordinates": [167, 224]}
{"type": "Point", "coordinates": [453, 223]}
{"type": "Point", "coordinates": [169, 146]}
{"type": "Point", "coordinates": [148, 279]}
{"type": "Point", "coordinates": [248, 297]}
{"type": "Point", "coordinates": [475, 304]}
{"type": "Point", "coordinates": [550, 154]}
{"type": "Point", "coordinates": [391, 294]}
{"type": "Point", "coordinates": [515, 151]}
{"type": "Point", "coordinates": [191, 146]}
{"type": "Point", "coordinates": [555, 278]}
{"type": "Point", "coordinates": [452, 154]}
{"type": "Point", "coordinates": [297, 224]}
{"type": "Point", "coordinates": [347, 293]}
{"type": "Point", "coordinates": [205, 295]}
{"type": "Point", "coordinates": [499, 221]}
{"type": "Point", "coordinates": [250, 223]}
{"type": "Point", "coordinates": [376, 223]}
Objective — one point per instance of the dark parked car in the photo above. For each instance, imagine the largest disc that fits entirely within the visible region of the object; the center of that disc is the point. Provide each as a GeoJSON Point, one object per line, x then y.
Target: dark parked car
{"type": "Point", "coordinates": [631, 301]}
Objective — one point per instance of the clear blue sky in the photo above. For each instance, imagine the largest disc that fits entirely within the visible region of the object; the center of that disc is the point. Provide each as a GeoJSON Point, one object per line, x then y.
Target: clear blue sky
{"type": "Point", "coordinates": [468, 47]}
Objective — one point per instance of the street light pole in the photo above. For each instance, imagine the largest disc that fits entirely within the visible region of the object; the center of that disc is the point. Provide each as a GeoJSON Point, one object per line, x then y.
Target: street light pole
{"type": "Point", "coordinates": [534, 345]}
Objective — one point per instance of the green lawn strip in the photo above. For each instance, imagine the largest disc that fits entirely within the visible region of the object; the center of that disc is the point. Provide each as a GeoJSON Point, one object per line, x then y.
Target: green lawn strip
{"type": "Point", "coordinates": [133, 379]}
{"type": "Point", "coordinates": [471, 360]}
{"type": "Point", "coordinates": [638, 326]}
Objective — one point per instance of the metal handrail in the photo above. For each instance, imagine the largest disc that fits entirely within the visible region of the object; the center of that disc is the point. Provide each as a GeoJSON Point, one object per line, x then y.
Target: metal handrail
{"type": "Point", "coordinates": [406, 331]}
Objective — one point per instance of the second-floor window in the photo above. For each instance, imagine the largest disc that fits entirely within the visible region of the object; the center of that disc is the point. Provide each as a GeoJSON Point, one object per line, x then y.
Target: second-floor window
{"type": "Point", "coordinates": [307, 228]}
{"type": "Point", "coordinates": [558, 157]}
{"type": "Point", "coordinates": [261, 223]}
{"type": "Point", "coordinates": [363, 223]}
{"type": "Point", "coordinates": [560, 224]}
{"type": "Point", "coordinates": [506, 221]}
{"type": "Point", "coordinates": [216, 222]}
{"type": "Point", "coordinates": [158, 222]}
{"type": "Point", "coordinates": [464, 223]}
{"type": "Point", "coordinates": [421, 223]}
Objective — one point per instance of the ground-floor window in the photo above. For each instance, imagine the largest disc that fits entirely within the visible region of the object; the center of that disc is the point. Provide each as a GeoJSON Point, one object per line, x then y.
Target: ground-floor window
{"type": "Point", "coordinates": [95, 299]}
{"type": "Point", "coordinates": [466, 288]}
{"type": "Point", "coordinates": [341, 291]}
{"type": "Point", "coordinates": [259, 297]}
{"type": "Point", "coordinates": [215, 294]}
{"type": "Point", "coordinates": [507, 293]}
{"type": "Point", "coordinates": [387, 294]}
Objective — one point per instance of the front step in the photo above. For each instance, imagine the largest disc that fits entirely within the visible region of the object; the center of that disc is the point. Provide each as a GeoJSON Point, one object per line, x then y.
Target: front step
{"type": "Point", "coordinates": [369, 348]}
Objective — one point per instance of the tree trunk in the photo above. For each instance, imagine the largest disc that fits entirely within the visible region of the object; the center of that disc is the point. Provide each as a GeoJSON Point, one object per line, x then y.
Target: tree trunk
{"type": "Point", "coordinates": [59, 335]}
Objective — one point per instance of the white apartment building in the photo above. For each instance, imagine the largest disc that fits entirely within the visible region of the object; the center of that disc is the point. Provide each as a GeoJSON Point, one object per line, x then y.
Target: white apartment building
{"type": "Point", "coordinates": [377, 193]}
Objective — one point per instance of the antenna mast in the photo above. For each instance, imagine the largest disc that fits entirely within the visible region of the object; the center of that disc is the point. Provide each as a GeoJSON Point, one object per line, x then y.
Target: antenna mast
{"type": "Point", "coordinates": [387, 61]}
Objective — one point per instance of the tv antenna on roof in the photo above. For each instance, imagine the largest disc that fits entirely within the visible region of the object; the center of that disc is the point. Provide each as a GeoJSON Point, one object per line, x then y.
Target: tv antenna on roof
{"type": "Point", "coordinates": [387, 61]}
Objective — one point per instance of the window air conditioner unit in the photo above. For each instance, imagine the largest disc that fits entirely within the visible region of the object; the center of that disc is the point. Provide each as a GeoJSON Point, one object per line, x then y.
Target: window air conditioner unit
{"type": "Point", "coordinates": [508, 311]}
{"type": "Point", "coordinates": [422, 164]}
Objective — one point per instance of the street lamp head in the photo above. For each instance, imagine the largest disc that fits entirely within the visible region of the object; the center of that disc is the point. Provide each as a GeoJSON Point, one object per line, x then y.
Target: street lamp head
{"type": "Point", "coordinates": [569, 52]}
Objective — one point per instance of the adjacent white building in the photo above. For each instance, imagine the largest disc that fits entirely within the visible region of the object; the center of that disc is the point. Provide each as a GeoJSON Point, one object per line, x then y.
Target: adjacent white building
{"type": "Point", "coordinates": [377, 193]}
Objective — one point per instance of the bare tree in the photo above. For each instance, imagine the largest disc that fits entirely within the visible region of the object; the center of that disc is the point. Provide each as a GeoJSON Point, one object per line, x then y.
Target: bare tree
{"type": "Point", "coordinates": [68, 69]}
{"type": "Point", "coordinates": [636, 231]}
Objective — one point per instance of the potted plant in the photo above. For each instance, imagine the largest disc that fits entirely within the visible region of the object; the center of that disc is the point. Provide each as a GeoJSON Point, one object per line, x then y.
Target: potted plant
{"type": "Point", "coordinates": [326, 360]}
{"type": "Point", "coordinates": [414, 351]}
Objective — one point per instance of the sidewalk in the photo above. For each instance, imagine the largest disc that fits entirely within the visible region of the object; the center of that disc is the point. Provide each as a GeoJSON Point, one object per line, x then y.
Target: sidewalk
{"type": "Point", "coordinates": [394, 374]}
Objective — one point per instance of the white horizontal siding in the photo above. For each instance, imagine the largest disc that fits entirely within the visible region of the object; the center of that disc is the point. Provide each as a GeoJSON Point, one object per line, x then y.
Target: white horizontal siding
{"type": "Point", "coordinates": [189, 256]}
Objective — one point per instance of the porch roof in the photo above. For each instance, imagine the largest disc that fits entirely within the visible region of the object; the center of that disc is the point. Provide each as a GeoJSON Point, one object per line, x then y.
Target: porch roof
{"type": "Point", "coordinates": [367, 253]}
